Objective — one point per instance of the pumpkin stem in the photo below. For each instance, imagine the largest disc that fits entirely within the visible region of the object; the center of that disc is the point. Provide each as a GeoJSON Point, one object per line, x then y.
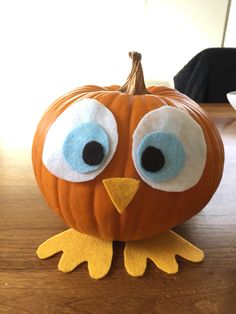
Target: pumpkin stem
{"type": "Point", "coordinates": [135, 82]}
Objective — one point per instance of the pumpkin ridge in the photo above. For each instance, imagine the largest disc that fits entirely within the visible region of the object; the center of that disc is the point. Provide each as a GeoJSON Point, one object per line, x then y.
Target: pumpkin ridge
{"type": "Point", "coordinates": [76, 92]}
{"type": "Point", "coordinates": [61, 208]}
{"type": "Point", "coordinates": [156, 100]}
{"type": "Point", "coordinates": [61, 205]}
{"type": "Point", "coordinates": [64, 204]}
{"type": "Point", "coordinates": [58, 107]}
{"type": "Point", "coordinates": [74, 221]}
{"type": "Point", "coordinates": [94, 209]}
{"type": "Point", "coordinates": [130, 106]}
{"type": "Point", "coordinates": [158, 90]}
{"type": "Point", "coordinates": [116, 102]}
{"type": "Point", "coordinates": [58, 199]}
{"type": "Point", "coordinates": [103, 96]}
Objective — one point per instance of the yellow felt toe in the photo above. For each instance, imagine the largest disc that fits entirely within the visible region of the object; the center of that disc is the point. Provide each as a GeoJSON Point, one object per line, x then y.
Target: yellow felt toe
{"type": "Point", "coordinates": [135, 263]}
{"type": "Point", "coordinates": [68, 262]}
{"type": "Point", "coordinates": [78, 248]}
{"type": "Point", "coordinates": [53, 245]}
{"type": "Point", "coordinates": [162, 251]}
{"type": "Point", "coordinates": [188, 250]}
{"type": "Point", "coordinates": [166, 263]}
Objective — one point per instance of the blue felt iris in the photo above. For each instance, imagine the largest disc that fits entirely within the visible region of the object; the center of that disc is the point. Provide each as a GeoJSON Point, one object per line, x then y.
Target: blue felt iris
{"type": "Point", "coordinates": [86, 147]}
{"type": "Point", "coordinates": [160, 156]}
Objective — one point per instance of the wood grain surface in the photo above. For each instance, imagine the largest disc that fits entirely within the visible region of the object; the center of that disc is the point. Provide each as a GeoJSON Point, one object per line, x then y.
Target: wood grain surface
{"type": "Point", "coordinates": [30, 285]}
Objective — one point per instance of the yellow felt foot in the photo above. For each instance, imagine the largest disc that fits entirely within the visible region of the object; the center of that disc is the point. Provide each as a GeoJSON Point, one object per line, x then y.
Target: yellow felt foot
{"type": "Point", "coordinates": [78, 248]}
{"type": "Point", "coordinates": [162, 251]}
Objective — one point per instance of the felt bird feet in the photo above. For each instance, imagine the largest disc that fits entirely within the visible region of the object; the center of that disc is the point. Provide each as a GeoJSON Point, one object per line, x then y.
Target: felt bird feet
{"type": "Point", "coordinates": [162, 251]}
{"type": "Point", "coordinates": [78, 248]}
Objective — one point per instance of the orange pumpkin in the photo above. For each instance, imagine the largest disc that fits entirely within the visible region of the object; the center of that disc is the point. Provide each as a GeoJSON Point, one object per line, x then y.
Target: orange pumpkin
{"type": "Point", "coordinates": [86, 206]}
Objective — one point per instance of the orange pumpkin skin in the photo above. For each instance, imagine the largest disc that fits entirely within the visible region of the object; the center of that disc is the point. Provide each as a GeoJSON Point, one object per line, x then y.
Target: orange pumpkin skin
{"type": "Point", "coordinates": [86, 206]}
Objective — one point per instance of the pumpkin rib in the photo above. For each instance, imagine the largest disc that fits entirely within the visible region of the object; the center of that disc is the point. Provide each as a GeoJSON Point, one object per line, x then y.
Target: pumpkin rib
{"type": "Point", "coordinates": [93, 210]}
{"type": "Point", "coordinates": [113, 88]}
{"type": "Point", "coordinates": [130, 105]}
{"type": "Point", "coordinates": [58, 107]}
{"type": "Point", "coordinates": [156, 102]}
{"type": "Point", "coordinates": [58, 199]}
{"type": "Point", "coordinates": [70, 209]}
{"type": "Point", "coordinates": [53, 182]}
{"type": "Point", "coordinates": [60, 184]}
{"type": "Point", "coordinates": [113, 98]}
{"type": "Point", "coordinates": [160, 90]}
{"type": "Point", "coordinates": [78, 91]}
{"type": "Point", "coordinates": [79, 225]}
{"type": "Point", "coordinates": [103, 97]}
{"type": "Point", "coordinates": [39, 178]}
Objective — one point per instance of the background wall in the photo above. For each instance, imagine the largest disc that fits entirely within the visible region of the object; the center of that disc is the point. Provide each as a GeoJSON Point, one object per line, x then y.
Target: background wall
{"type": "Point", "coordinates": [49, 47]}
{"type": "Point", "coordinates": [230, 38]}
{"type": "Point", "coordinates": [177, 30]}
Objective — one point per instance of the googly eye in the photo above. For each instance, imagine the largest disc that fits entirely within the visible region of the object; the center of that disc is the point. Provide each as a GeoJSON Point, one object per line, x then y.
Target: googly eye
{"type": "Point", "coordinates": [160, 156]}
{"type": "Point", "coordinates": [86, 147]}
{"type": "Point", "coordinates": [169, 149]}
{"type": "Point", "coordinates": [81, 142]}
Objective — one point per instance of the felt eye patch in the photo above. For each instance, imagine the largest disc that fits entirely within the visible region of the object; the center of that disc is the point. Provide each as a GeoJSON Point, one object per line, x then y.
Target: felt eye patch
{"type": "Point", "coordinates": [86, 147]}
{"type": "Point", "coordinates": [169, 149]}
{"type": "Point", "coordinates": [81, 142]}
{"type": "Point", "coordinates": [160, 156]}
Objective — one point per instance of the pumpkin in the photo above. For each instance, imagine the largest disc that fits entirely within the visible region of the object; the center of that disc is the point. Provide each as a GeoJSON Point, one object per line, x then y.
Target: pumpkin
{"type": "Point", "coordinates": [158, 204]}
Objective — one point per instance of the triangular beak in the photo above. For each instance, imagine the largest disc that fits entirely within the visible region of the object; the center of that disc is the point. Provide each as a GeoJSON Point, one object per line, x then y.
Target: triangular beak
{"type": "Point", "coordinates": [121, 191]}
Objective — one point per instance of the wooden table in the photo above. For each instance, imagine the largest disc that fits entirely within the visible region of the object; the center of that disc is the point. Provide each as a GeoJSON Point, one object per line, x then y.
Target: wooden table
{"type": "Point", "coordinates": [29, 285]}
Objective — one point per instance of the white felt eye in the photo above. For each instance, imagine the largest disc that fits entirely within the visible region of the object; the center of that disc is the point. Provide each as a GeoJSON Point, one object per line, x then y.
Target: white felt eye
{"type": "Point", "coordinates": [81, 142]}
{"type": "Point", "coordinates": [169, 149]}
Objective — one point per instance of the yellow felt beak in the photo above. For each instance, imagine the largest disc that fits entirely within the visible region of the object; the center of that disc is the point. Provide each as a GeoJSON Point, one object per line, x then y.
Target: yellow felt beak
{"type": "Point", "coordinates": [121, 191]}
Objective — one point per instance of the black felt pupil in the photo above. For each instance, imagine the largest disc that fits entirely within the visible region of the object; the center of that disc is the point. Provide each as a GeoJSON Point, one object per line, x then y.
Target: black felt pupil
{"type": "Point", "coordinates": [152, 159]}
{"type": "Point", "coordinates": [93, 153]}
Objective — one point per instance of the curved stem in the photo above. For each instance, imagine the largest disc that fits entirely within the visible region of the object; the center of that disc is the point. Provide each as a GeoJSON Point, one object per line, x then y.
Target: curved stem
{"type": "Point", "coordinates": [135, 84]}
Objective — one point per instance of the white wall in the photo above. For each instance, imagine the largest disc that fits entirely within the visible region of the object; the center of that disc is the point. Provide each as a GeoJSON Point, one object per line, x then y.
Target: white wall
{"type": "Point", "coordinates": [49, 47]}
{"type": "Point", "coordinates": [176, 30]}
{"type": "Point", "coordinates": [230, 38]}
